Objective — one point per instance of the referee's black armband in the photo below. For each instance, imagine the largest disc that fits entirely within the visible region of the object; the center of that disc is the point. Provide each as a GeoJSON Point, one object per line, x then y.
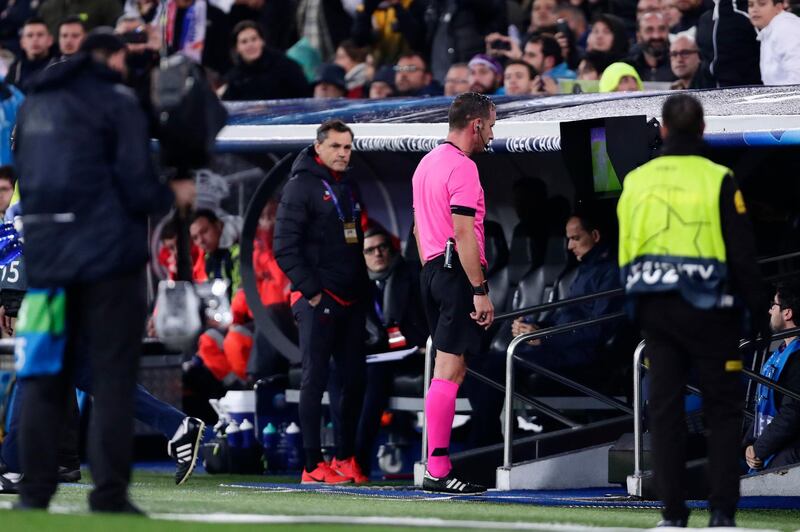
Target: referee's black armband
{"type": "Point", "coordinates": [464, 211]}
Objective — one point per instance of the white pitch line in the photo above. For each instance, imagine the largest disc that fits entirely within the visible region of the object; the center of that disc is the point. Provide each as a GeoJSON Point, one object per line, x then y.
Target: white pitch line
{"type": "Point", "coordinates": [421, 522]}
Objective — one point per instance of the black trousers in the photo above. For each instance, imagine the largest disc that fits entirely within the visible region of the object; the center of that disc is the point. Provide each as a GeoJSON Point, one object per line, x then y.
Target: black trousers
{"type": "Point", "coordinates": [679, 338]}
{"type": "Point", "coordinates": [105, 322]}
{"type": "Point", "coordinates": [327, 331]}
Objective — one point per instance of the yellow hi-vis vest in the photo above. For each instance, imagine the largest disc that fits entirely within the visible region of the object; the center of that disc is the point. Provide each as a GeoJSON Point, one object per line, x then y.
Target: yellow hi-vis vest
{"type": "Point", "coordinates": [670, 233]}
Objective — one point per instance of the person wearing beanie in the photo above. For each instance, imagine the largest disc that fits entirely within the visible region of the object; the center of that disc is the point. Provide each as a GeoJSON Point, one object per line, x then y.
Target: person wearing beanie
{"type": "Point", "coordinates": [620, 77]}
{"type": "Point", "coordinates": [330, 82]}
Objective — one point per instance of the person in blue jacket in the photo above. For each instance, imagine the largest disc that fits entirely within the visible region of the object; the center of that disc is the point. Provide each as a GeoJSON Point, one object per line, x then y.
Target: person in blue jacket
{"type": "Point", "coordinates": [773, 439]}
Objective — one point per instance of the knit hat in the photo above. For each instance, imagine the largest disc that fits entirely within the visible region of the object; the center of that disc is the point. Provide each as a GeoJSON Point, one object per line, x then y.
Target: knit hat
{"type": "Point", "coordinates": [614, 73]}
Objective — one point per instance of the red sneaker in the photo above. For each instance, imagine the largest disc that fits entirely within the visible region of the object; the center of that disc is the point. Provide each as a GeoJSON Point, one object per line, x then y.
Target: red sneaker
{"type": "Point", "coordinates": [350, 468]}
{"type": "Point", "coordinates": [324, 474]}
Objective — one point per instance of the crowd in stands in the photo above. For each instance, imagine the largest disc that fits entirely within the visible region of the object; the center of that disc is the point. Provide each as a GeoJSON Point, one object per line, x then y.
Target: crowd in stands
{"type": "Point", "coordinates": [258, 49]}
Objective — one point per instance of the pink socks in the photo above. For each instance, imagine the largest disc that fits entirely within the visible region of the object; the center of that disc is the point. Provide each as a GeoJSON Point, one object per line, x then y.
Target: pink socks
{"type": "Point", "coordinates": [440, 407]}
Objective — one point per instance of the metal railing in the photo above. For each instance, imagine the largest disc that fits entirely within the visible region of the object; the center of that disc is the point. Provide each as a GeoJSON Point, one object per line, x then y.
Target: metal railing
{"type": "Point", "coordinates": [635, 481]}
{"type": "Point", "coordinates": [508, 429]}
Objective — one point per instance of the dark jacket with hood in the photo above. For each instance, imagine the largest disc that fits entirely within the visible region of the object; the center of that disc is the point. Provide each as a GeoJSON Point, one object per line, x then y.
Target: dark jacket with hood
{"type": "Point", "coordinates": [309, 242]}
{"type": "Point", "coordinates": [272, 76]}
{"type": "Point", "coordinates": [86, 176]}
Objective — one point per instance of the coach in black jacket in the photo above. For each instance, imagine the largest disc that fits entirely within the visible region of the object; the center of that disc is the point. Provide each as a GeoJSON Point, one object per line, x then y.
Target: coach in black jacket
{"type": "Point", "coordinates": [318, 244]}
{"type": "Point", "coordinates": [88, 186]}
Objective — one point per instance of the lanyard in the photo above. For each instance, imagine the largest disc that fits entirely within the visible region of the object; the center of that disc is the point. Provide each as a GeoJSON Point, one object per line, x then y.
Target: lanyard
{"type": "Point", "coordinates": [379, 294]}
{"type": "Point", "coordinates": [336, 202]}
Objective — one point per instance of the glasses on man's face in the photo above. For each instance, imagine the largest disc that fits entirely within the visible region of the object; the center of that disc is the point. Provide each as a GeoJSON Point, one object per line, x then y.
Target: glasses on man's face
{"type": "Point", "coordinates": [406, 68]}
{"type": "Point", "coordinates": [383, 248]}
{"type": "Point", "coordinates": [683, 53]}
{"type": "Point", "coordinates": [774, 303]}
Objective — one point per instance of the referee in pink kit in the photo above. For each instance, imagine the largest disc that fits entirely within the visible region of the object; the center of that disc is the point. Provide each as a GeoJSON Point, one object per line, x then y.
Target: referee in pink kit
{"type": "Point", "coordinates": [449, 204]}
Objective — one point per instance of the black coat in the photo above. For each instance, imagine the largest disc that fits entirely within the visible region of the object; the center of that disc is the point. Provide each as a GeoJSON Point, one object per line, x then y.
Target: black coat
{"type": "Point", "coordinates": [401, 305]}
{"type": "Point", "coordinates": [309, 242]}
{"type": "Point", "coordinates": [273, 76]}
{"type": "Point", "coordinates": [86, 176]}
{"type": "Point", "coordinates": [782, 435]}
{"type": "Point", "coordinates": [23, 72]}
{"type": "Point", "coordinates": [728, 46]}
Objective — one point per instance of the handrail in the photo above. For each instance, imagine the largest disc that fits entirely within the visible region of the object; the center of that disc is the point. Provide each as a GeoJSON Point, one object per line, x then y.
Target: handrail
{"type": "Point", "coordinates": [538, 405]}
{"type": "Point", "coordinates": [541, 370]}
{"type": "Point", "coordinates": [620, 291]}
{"type": "Point", "coordinates": [560, 303]}
{"type": "Point", "coordinates": [541, 333]}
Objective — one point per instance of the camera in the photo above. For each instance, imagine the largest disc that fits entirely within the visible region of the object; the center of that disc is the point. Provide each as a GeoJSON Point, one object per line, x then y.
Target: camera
{"type": "Point", "coordinates": [137, 36]}
{"type": "Point", "coordinates": [499, 44]}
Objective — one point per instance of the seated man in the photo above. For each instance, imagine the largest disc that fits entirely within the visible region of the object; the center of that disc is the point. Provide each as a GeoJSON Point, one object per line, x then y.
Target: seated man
{"type": "Point", "coordinates": [597, 271]}
{"type": "Point", "coordinates": [774, 438]}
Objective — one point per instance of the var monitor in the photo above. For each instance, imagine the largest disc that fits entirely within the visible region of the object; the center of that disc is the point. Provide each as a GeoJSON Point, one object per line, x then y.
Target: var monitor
{"type": "Point", "coordinates": [599, 153]}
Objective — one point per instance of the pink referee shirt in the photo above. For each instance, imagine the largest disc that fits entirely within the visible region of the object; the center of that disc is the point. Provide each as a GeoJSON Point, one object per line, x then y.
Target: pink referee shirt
{"type": "Point", "coordinates": [446, 182]}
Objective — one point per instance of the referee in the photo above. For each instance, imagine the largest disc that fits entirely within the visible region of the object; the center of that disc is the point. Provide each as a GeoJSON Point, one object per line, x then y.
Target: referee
{"type": "Point", "coordinates": [449, 204]}
{"type": "Point", "coordinates": [687, 255]}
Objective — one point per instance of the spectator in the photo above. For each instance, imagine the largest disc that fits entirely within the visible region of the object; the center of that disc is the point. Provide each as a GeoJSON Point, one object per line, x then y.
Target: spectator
{"type": "Point", "coordinates": [261, 73]}
{"type": "Point", "coordinates": [324, 23]}
{"type": "Point", "coordinates": [397, 322]}
{"type": "Point", "coordinates": [684, 58]}
{"type": "Point", "coordinates": [71, 33]}
{"type": "Point", "coordinates": [390, 29]}
{"type": "Point", "coordinates": [457, 79]}
{"type": "Point", "coordinates": [330, 82]}
{"type": "Point", "coordinates": [690, 14]}
{"type": "Point", "coordinates": [412, 77]}
{"type": "Point", "coordinates": [543, 53]}
{"type": "Point", "coordinates": [382, 85]}
{"type": "Point", "coordinates": [648, 6]}
{"type": "Point", "coordinates": [608, 35]}
{"type": "Point", "coordinates": [35, 42]}
{"type": "Point", "coordinates": [729, 48]}
{"type": "Point", "coordinates": [353, 60]}
{"type": "Point", "coordinates": [12, 17]}
{"type": "Point", "coordinates": [592, 65]}
{"type": "Point", "coordinates": [651, 55]}
{"type": "Point", "coordinates": [773, 440]}
{"type": "Point", "coordinates": [94, 13]}
{"type": "Point", "coordinates": [7, 182]}
{"type": "Point", "coordinates": [544, 16]}
{"type": "Point", "coordinates": [673, 14]}
{"type": "Point", "coordinates": [457, 30]}
{"type": "Point", "coordinates": [620, 77]}
{"type": "Point", "coordinates": [485, 74]}
{"type": "Point", "coordinates": [518, 78]}
{"type": "Point", "coordinates": [779, 33]}
{"type": "Point", "coordinates": [597, 271]}
{"type": "Point", "coordinates": [576, 21]}
{"type": "Point", "coordinates": [145, 9]}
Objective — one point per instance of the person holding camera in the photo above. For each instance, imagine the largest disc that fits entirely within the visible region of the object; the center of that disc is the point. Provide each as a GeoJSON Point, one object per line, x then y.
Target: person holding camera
{"type": "Point", "coordinates": [88, 187]}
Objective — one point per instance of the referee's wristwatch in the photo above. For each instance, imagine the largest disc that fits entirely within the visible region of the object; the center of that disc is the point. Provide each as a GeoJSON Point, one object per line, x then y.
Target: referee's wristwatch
{"type": "Point", "coordinates": [481, 290]}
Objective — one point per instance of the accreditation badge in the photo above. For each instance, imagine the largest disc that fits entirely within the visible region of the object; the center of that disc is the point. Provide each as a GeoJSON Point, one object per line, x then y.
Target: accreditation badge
{"type": "Point", "coordinates": [350, 234]}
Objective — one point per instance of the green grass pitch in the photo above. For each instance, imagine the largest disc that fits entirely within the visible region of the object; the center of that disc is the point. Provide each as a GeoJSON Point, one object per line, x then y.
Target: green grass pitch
{"type": "Point", "coordinates": [203, 494]}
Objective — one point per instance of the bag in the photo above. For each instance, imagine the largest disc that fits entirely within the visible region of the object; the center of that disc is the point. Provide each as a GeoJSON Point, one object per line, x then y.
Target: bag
{"type": "Point", "coordinates": [188, 113]}
{"type": "Point", "coordinates": [41, 333]}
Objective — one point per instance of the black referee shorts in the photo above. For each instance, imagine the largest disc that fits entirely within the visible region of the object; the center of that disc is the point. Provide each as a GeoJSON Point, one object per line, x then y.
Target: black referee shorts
{"type": "Point", "coordinates": [447, 298]}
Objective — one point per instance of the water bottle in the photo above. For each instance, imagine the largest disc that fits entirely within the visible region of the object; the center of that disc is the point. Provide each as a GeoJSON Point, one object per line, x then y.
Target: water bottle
{"type": "Point", "coordinates": [233, 435]}
{"type": "Point", "coordinates": [294, 460]}
{"type": "Point", "coordinates": [269, 439]}
{"type": "Point", "coordinates": [248, 435]}
{"type": "Point", "coordinates": [281, 449]}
